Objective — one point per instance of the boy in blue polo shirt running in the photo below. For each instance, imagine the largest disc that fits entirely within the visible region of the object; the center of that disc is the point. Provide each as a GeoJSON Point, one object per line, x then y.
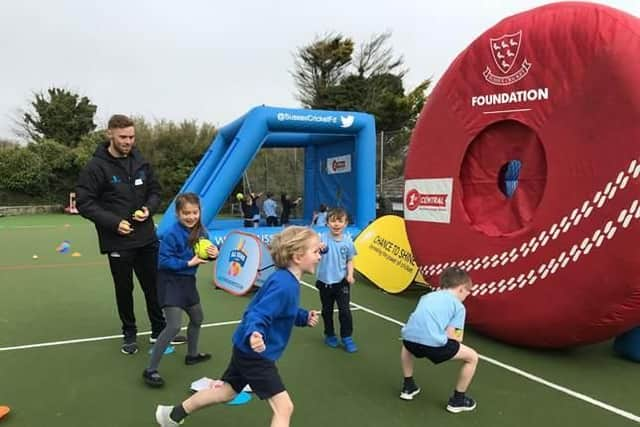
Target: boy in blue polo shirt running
{"type": "Point", "coordinates": [434, 330]}
{"type": "Point", "coordinates": [263, 334]}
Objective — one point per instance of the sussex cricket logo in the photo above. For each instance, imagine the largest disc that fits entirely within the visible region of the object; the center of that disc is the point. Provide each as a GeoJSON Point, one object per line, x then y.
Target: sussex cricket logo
{"type": "Point", "coordinates": [505, 51]}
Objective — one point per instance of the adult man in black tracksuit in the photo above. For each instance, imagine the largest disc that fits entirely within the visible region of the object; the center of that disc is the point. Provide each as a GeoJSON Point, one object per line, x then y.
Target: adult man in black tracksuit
{"type": "Point", "coordinates": [119, 194]}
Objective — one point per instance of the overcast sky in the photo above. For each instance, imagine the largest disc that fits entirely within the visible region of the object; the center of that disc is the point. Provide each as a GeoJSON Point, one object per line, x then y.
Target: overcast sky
{"type": "Point", "coordinates": [214, 60]}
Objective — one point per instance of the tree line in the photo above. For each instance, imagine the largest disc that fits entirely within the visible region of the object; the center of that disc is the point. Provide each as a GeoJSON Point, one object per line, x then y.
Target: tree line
{"type": "Point", "coordinates": [62, 137]}
{"type": "Point", "coordinates": [330, 73]}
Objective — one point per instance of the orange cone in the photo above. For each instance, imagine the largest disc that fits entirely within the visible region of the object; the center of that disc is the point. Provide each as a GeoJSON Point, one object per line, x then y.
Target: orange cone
{"type": "Point", "coordinates": [4, 410]}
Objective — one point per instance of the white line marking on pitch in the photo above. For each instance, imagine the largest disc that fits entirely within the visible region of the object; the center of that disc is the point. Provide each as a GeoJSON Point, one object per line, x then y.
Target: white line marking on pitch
{"type": "Point", "coordinates": [111, 337]}
{"type": "Point", "coordinates": [520, 372]}
{"type": "Point", "coordinates": [490, 360]}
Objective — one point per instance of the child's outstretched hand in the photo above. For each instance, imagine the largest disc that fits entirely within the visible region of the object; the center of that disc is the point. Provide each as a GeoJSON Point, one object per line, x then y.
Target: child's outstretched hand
{"type": "Point", "coordinates": [257, 342]}
{"type": "Point", "coordinates": [196, 260]}
{"type": "Point", "coordinates": [312, 320]}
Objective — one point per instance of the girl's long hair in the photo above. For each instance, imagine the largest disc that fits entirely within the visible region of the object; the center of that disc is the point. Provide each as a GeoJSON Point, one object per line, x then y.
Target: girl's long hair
{"type": "Point", "coordinates": [192, 198]}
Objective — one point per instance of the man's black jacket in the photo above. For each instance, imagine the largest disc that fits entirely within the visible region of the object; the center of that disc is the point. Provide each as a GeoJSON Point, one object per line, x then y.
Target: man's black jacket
{"type": "Point", "coordinates": [111, 189]}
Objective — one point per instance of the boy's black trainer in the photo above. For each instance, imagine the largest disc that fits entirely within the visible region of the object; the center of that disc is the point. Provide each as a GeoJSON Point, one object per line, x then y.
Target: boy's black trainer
{"type": "Point", "coordinates": [461, 405]}
{"type": "Point", "coordinates": [408, 391]}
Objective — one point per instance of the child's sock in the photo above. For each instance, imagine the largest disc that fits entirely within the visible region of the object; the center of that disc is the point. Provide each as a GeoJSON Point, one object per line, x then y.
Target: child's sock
{"type": "Point", "coordinates": [178, 413]}
{"type": "Point", "coordinates": [458, 395]}
{"type": "Point", "coordinates": [408, 381]}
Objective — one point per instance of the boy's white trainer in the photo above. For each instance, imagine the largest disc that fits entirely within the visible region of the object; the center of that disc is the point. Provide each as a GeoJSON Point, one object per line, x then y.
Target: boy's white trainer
{"type": "Point", "coordinates": [163, 418]}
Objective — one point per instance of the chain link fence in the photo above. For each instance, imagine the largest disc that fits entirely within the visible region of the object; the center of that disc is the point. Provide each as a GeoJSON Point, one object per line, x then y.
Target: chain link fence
{"type": "Point", "coordinates": [392, 151]}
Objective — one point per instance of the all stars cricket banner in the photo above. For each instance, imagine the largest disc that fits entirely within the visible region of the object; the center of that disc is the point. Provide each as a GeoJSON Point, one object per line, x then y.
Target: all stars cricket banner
{"type": "Point", "coordinates": [244, 261]}
{"type": "Point", "coordinates": [384, 255]}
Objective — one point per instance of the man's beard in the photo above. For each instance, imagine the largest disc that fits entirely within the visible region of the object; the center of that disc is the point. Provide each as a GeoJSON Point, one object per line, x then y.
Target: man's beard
{"type": "Point", "coordinates": [119, 151]}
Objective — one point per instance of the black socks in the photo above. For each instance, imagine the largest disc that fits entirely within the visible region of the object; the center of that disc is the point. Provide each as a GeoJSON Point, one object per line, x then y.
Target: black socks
{"type": "Point", "coordinates": [178, 413]}
{"type": "Point", "coordinates": [408, 382]}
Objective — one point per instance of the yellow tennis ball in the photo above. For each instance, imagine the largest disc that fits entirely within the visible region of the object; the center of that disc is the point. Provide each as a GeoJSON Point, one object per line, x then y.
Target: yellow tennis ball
{"type": "Point", "coordinates": [240, 196]}
{"type": "Point", "coordinates": [138, 214]}
{"type": "Point", "coordinates": [200, 248]}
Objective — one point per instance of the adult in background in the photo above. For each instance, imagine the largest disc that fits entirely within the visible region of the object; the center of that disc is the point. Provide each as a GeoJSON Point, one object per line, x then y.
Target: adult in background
{"type": "Point", "coordinates": [287, 207]}
{"type": "Point", "coordinates": [250, 210]}
{"type": "Point", "coordinates": [270, 209]}
{"type": "Point", "coordinates": [118, 192]}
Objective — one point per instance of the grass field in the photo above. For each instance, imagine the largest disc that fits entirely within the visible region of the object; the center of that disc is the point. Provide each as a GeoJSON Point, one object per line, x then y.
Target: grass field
{"type": "Point", "coordinates": [60, 363]}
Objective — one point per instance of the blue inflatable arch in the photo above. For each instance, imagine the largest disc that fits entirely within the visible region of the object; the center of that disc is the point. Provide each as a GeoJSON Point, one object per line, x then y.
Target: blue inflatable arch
{"type": "Point", "coordinates": [339, 163]}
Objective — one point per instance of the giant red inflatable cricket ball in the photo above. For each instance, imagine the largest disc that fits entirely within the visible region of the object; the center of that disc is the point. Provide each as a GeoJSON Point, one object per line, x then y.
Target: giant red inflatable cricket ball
{"type": "Point", "coordinates": [555, 93]}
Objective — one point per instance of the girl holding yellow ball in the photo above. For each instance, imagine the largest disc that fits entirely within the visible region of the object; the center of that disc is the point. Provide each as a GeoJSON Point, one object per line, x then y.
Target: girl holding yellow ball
{"type": "Point", "coordinates": [182, 249]}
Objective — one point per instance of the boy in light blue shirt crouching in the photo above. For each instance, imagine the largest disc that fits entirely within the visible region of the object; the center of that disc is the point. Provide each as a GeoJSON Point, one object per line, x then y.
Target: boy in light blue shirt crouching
{"type": "Point", "coordinates": [434, 331]}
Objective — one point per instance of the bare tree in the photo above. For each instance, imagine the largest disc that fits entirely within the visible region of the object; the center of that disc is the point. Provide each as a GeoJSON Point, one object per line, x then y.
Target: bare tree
{"type": "Point", "coordinates": [376, 57]}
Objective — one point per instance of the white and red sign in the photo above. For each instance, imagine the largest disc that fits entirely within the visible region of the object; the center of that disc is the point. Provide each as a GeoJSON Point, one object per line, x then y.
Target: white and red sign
{"type": "Point", "coordinates": [428, 200]}
{"type": "Point", "coordinates": [340, 164]}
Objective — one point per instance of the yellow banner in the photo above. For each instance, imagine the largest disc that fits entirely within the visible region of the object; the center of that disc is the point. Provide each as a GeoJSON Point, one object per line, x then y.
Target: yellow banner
{"type": "Point", "coordinates": [420, 279]}
{"type": "Point", "coordinates": [384, 255]}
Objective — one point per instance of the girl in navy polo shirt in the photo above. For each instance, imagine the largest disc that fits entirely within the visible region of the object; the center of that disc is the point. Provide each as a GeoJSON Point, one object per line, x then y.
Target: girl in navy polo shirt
{"type": "Point", "coordinates": [177, 292]}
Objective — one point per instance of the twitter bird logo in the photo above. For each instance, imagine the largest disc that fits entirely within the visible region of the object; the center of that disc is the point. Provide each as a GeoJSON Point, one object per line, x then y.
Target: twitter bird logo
{"type": "Point", "coordinates": [346, 121]}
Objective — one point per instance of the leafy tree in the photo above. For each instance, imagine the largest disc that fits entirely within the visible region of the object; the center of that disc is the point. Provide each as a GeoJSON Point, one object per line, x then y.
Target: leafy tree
{"type": "Point", "coordinates": [319, 66]}
{"type": "Point", "coordinates": [59, 169]}
{"type": "Point", "coordinates": [87, 146]}
{"type": "Point", "coordinates": [47, 170]}
{"type": "Point", "coordinates": [330, 75]}
{"type": "Point", "coordinates": [59, 115]}
{"type": "Point", "coordinates": [21, 170]}
{"type": "Point", "coordinates": [5, 143]}
{"type": "Point", "coordinates": [369, 79]}
{"type": "Point", "coordinates": [416, 98]}
{"type": "Point", "coordinates": [396, 142]}
{"type": "Point", "coordinates": [376, 58]}
{"type": "Point", "coordinates": [174, 150]}
{"type": "Point", "coordinates": [381, 95]}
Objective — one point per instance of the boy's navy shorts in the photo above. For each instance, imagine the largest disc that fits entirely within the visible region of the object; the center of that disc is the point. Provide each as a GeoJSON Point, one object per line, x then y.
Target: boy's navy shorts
{"type": "Point", "coordinates": [435, 354]}
{"type": "Point", "coordinates": [260, 373]}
